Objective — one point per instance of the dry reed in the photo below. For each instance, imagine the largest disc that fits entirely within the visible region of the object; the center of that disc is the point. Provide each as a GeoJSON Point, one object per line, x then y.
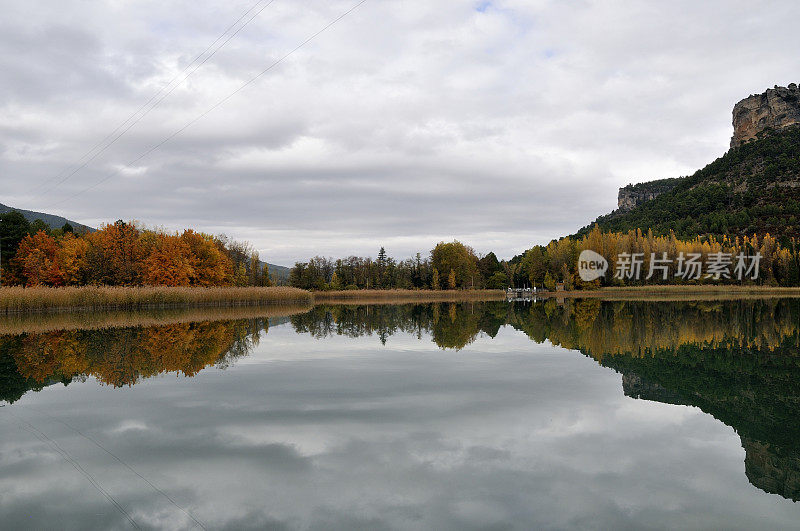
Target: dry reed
{"type": "Point", "coordinates": [99, 298]}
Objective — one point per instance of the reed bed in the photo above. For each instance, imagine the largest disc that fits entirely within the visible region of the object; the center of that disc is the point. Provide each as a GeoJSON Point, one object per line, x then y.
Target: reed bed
{"type": "Point", "coordinates": [38, 323]}
{"type": "Point", "coordinates": [100, 298]}
{"type": "Point", "coordinates": [402, 295]}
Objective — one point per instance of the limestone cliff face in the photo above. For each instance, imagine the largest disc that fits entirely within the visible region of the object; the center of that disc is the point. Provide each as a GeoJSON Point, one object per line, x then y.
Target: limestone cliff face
{"type": "Point", "coordinates": [634, 195]}
{"type": "Point", "coordinates": [630, 199]}
{"type": "Point", "coordinates": [771, 469]}
{"type": "Point", "coordinates": [776, 108]}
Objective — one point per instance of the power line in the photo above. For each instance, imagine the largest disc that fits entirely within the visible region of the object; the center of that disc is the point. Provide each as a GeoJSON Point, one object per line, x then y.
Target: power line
{"type": "Point", "coordinates": [216, 105]}
{"type": "Point", "coordinates": [126, 465]}
{"type": "Point", "coordinates": [77, 466]}
{"type": "Point", "coordinates": [155, 96]}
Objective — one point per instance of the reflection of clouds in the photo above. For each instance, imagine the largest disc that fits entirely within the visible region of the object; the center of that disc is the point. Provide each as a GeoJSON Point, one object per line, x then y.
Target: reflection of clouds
{"type": "Point", "coordinates": [344, 434]}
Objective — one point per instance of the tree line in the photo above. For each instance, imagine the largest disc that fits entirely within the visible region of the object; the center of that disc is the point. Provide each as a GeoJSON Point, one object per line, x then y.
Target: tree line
{"type": "Point", "coordinates": [454, 265]}
{"type": "Point", "coordinates": [450, 265]}
{"type": "Point", "coordinates": [123, 254]}
{"type": "Point", "coordinates": [557, 262]}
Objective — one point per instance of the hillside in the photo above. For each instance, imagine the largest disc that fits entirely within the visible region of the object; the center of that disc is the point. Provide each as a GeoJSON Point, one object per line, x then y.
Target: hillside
{"type": "Point", "coordinates": [280, 274]}
{"type": "Point", "coordinates": [55, 222]}
{"type": "Point", "coordinates": [633, 195]}
{"type": "Point", "coordinates": [753, 188]}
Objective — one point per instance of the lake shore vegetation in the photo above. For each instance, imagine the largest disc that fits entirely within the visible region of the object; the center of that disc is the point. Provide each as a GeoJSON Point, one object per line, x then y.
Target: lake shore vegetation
{"type": "Point", "coordinates": [100, 298]}
{"type": "Point", "coordinates": [123, 254]}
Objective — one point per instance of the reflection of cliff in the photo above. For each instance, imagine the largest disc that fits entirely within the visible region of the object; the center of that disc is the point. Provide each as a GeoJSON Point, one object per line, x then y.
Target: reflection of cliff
{"type": "Point", "coordinates": [120, 356]}
{"type": "Point", "coordinates": [635, 387]}
{"type": "Point", "coordinates": [738, 361]}
{"type": "Point", "coordinates": [772, 460]}
{"type": "Point", "coordinates": [772, 469]}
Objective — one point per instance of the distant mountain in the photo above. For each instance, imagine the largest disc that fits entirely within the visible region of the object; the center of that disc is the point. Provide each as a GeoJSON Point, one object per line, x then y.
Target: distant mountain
{"type": "Point", "coordinates": [279, 273]}
{"type": "Point", "coordinates": [753, 189]}
{"type": "Point", "coordinates": [55, 222]}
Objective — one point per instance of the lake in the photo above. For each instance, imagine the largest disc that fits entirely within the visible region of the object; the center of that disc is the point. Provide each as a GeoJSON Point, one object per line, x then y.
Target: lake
{"type": "Point", "coordinates": [578, 414]}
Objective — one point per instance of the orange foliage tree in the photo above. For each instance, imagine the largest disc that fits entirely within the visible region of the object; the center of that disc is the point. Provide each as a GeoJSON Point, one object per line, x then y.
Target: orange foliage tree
{"type": "Point", "coordinates": [116, 255]}
{"type": "Point", "coordinates": [209, 263]}
{"type": "Point", "coordinates": [35, 261]}
{"type": "Point", "coordinates": [71, 257]}
{"type": "Point", "coordinates": [122, 254]}
{"type": "Point", "coordinates": [169, 263]}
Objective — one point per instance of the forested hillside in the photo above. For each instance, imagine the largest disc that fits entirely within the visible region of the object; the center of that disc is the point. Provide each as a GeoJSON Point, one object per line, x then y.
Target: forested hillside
{"type": "Point", "coordinates": [50, 220]}
{"type": "Point", "coordinates": [752, 189]}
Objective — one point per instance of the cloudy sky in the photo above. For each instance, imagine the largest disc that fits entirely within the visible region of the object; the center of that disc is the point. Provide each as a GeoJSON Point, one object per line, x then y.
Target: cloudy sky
{"type": "Point", "coordinates": [501, 123]}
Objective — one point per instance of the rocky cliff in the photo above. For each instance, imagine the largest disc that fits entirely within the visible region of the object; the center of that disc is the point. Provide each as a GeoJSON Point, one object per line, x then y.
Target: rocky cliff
{"type": "Point", "coordinates": [633, 195]}
{"type": "Point", "coordinates": [772, 469]}
{"type": "Point", "coordinates": [630, 199]}
{"type": "Point", "coordinates": [776, 108]}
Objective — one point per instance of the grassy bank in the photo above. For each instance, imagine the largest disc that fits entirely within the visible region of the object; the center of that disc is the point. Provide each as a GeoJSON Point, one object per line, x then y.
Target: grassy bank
{"type": "Point", "coordinates": [402, 295]}
{"type": "Point", "coordinates": [99, 298]}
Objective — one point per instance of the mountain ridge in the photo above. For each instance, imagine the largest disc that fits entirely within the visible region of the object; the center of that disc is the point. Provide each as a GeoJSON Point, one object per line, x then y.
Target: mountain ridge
{"type": "Point", "coordinates": [754, 188]}
{"type": "Point", "coordinates": [55, 222]}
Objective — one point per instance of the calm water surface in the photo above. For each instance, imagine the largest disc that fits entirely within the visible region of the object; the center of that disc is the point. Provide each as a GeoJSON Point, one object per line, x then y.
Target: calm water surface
{"type": "Point", "coordinates": [587, 414]}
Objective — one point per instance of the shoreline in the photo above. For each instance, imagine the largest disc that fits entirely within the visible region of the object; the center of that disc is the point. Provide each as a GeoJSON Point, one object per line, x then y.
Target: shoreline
{"type": "Point", "coordinates": [46, 300]}
{"type": "Point", "coordinates": [38, 323]}
{"type": "Point", "coordinates": [17, 301]}
{"type": "Point", "coordinates": [676, 292]}
{"type": "Point", "coordinates": [399, 295]}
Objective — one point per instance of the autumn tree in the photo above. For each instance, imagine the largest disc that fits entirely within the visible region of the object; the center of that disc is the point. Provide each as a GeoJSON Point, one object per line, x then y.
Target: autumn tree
{"type": "Point", "coordinates": [210, 265]}
{"type": "Point", "coordinates": [116, 255]}
{"type": "Point", "coordinates": [459, 258]}
{"type": "Point", "coordinates": [35, 261]}
{"type": "Point", "coordinates": [169, 262]}
{"type": "Point", "coordinates": [71, 257]}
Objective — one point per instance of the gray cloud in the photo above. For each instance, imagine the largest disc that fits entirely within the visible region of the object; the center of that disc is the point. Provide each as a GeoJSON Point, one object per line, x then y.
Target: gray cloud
{"type": "Point", "coordinates": [502, 123]}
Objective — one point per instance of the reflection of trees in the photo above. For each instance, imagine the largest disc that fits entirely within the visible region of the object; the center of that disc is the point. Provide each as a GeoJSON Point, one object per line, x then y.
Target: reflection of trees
{"type": "Point", "coordinates": [736, 360]}
{"type": "Point", "coordinates": [452, 325]}
{"type": "Point", "coordinates": [121, 356]}
{"type": "Point", "coordinates": [639, 327]}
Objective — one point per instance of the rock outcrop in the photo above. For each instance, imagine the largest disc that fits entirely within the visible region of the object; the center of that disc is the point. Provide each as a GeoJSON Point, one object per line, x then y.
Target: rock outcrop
{"type": "Point", "coordinates": [771, 469]}
{"type": "Point", "coordinates": [629, 199]}
{"type": "Point", "coordinates": [776, 108]}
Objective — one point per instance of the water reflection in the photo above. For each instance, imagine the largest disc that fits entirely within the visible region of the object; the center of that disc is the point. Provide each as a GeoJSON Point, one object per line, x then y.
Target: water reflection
{"type": "Point", "coordinates": [738, 361]}
{"type": "Point", "coordinates": [121, 356]}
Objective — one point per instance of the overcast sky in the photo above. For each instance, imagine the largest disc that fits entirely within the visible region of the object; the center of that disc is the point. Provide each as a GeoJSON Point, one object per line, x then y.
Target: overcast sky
{"type": "Point", "coordinates": [500, 123]}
